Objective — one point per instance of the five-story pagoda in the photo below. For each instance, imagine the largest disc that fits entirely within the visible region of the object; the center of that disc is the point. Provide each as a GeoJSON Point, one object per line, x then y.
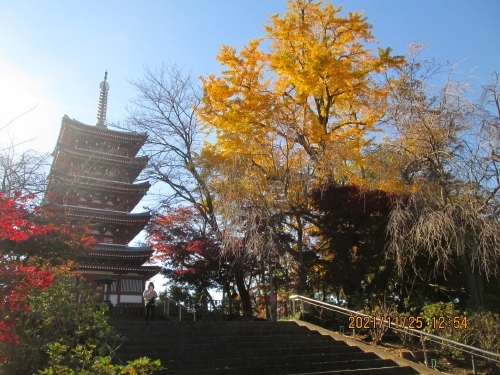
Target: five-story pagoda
{"type": "Point", "coordinates": [92, 180]}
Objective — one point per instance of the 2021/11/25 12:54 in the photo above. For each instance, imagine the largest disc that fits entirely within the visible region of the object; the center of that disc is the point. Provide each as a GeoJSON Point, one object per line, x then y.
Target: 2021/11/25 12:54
{"type": "Point", "coordinates": [407, 321]}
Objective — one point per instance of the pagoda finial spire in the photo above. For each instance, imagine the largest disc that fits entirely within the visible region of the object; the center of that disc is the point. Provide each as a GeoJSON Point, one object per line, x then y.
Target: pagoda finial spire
{"type": "Point", "coordinates": [103, 102]}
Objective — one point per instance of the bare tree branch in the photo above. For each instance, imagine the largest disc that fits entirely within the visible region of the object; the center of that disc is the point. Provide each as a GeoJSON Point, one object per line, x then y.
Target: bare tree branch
{"type": "Point", "coordinates": [448, 146]}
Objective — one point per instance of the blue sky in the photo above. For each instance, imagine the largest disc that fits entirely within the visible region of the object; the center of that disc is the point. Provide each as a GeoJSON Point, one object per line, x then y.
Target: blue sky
{"type": "Point", "coordinates": [53, 54]}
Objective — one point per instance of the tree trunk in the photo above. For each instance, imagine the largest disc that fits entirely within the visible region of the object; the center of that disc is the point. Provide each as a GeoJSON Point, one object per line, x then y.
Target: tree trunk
{"type": "Point", "coordinates": [246, 304]}
{"type": "Point", "coordinates": [214, 308]}
{"type": "Point", "coordinates": [300, 248]}
{"type": "Point", "coordinates": [272, 300]}
{"type": "Point", "coordinates": [474, 283]}
{"type": "Point", "coordinates": [226, 294]}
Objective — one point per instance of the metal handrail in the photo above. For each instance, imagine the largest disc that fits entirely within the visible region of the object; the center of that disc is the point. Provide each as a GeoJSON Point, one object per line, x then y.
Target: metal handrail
{"type": "Point", "coordinates": [166, 308]}
{"type": "Point", "coordinates": [473, 351]}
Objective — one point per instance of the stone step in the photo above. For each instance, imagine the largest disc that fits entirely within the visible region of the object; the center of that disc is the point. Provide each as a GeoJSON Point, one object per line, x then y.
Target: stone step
{"type": "Point", "coordinates": [140, 325]}
{"type": "Point", "coordinates": [130, 353]}
{"type": "Point", "coordinates": [405, 370]}
{"type": "Point", "coordinates": [226, 339]}
{"type": "Point", "coordinates": [270, 359]}
{"type": "Point", "coordinates": [215, 332]}
{"type": "Point", "coordinates": [289, 369]}
{"type": "Point", "coordinates": [229, 347]}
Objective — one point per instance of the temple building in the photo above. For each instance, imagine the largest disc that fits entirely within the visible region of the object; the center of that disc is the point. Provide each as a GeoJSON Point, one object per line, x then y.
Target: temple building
{"type": "Point", "coordinates": [92, 179]}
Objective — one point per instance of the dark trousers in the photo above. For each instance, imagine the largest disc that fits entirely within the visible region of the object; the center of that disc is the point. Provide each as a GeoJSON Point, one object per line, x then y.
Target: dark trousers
{"type": "Point", "coordinates": [150, 311]}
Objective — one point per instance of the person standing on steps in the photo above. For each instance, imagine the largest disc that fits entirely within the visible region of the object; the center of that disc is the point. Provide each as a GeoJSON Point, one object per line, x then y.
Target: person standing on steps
{"type": "Point", "coordinates": [150, 297]}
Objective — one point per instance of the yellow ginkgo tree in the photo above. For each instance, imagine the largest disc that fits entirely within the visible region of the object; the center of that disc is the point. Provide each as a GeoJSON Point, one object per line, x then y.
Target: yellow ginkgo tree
{"type": "Point", "coordinates": [313, 79]}
{"type": "Point", "coordinates": [298, 107]}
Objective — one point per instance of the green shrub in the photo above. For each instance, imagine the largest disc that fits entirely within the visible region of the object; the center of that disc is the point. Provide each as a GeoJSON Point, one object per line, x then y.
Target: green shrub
{"type": "Point", "coordinates": [444, 320]}
{"type": "Point", "coordinates": [87, 363]}
{"type": "Point", "coordinates": [66, 311]}
{"type": "Point", "coordinates": [481, 329]}
{"type": "Point", "coordinates": [485, 328]}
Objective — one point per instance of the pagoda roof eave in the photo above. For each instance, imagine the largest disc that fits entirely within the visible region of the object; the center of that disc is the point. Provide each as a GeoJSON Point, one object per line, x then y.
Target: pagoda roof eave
{"type": "Point", "coordinates": [103, 131]}
{"type": "Point", "coordinates": [101, 258]}
{"type": "Point", "coordinates": [102, 213]}
{"type": "Point", "coordinates": [101, 182]}
{"type": "Point", "coordinates": [149, 270]}
{"type": "Point", "coordinates": [140, 161]}
{"type": "Point", "coordinates": [122, 248]}
{"type": "Point", "coordinates": [141, 253]}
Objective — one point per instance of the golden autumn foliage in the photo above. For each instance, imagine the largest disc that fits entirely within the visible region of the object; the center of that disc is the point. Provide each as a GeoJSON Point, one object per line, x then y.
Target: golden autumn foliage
{"type": "Point", "coordinates": [312, 82]}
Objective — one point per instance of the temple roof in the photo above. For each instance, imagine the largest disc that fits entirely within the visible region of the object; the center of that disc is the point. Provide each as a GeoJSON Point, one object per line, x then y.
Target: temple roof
{"type": "Point", "coordinates": [81, 153]}
{"type": "Point", "coordinates": [102, 184]}
{"type": "Point", "coordinates": [122, 248]}
{"type": "Point", "coordinates": [121, 268]}
{"type": "Point", "coordinates": [103, 215]}
{"type": "Point", "coordinates": [117, 255]}
{"type": "Point", "coordinates": [101, 132]}
{"type": "Point", "coordinates": [121, 258]}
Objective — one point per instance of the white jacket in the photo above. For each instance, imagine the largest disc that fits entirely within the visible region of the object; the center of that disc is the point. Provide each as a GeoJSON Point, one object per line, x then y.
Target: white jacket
{"type": "Point", "coordinates": [148, 294]}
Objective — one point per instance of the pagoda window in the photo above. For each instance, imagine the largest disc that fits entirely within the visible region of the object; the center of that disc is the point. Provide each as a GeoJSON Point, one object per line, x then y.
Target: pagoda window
{"type": "Point", "coordinates": [131, 286]}
{"type": "Point", "coordinates": [108, 240]}
{"type": "Point", "coordinates": [112, 287]}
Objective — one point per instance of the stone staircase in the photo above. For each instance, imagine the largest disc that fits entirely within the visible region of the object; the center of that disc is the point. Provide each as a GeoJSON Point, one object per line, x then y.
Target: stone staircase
{"type": "Point", "coordinates": [245, 347]}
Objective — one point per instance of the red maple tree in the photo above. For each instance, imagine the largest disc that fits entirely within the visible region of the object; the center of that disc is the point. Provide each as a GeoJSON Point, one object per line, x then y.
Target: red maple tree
{"type": "Point", "coordinates": [186, 248]}
{"type": "Point", "coordinates": [14, 224]}
{"type": "Point", "coordinates": [16, 280]}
